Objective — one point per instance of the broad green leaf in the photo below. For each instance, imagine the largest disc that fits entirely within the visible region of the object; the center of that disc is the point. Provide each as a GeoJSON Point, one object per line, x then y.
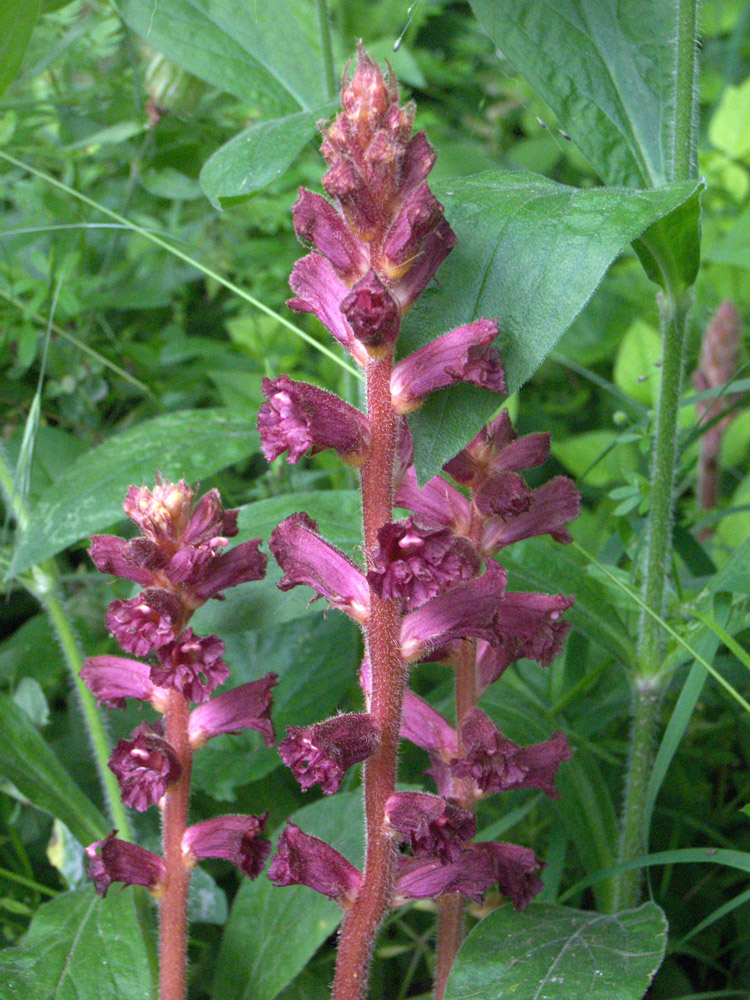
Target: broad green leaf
{"type": "Point", "coordinates": [636, 368]}
{"type": "Point", "coordinates": [244, 608]}
{"type": "Point", "coordinates": [273, 932]}
{"type": "Point", "coordinates": [597, 458]}
{"type": "Point", "coordinates": [734, 575]}
{"type": "Point", "coordinates": [729, 129]}
{"type": "Point", "coordinates": [259, 155]}
{"type": "Point", "coordinates": [79, 947]}
{"type": "Point", "coordinates": [608, 71]}
{"type": "Point", "coordinates": [669, 250]}
{"type": "Point", "coordinates": [557, 953]}
{"type": "Point", "coordinates": [88, 496]}
{"type": "Point", "coordinates": [17, 20]}
{"type": "Point", "coordinates": [31, 766]}
{"type": "Point", "coordinates": [530, 253]}
{"type": "Point", "coordinates": [268, 55]}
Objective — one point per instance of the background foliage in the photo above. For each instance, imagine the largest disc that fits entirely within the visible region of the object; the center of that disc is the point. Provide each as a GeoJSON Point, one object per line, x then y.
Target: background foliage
{"type": "Point", "coordinates": [150, 156]}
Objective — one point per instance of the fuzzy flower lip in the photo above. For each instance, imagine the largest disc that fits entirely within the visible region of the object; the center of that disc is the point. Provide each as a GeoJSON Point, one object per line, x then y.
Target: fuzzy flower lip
{"type": "Point", "coordinates": [497, 449]}
{"type": "Point", "coordinates": [300, 418]}
{"type": "Point", "coordinates": [112, 860]}
{"type": "Point", "coordinates": [324, 752]}
{"type": "Point", "coordinates": [192, 665]}
{"type": "Point", "coordinates": [231, 838]}
{"type": "Point", "coordinates": [308, 559]}
{"type": "Point", "coordinates": [433, 826]}
{"type": "Point", "coordinates": [373, 315]}
{"type": "Point", "coordinates": [549, 509]}
{"type": "Point", "coordinates": [245, 707]}
{"type": "Point", "coordinates": [144, 765]}
{"type": "Point", "coordinates": [305, 860]}
{"type": "Point", "coordinates": [463, 355]}
{"type": "Point", "coordinates": [438, 501]}
{"type": "Point", "coordinates": [413, 562]}
{"type": "Point", "coordinates": [147, 622]}
{"type": "Point", "coordinates": [139, 559]}
{"type": "Point", "coordinates": [318, 223]}
{"type": "Point", "coordinates": [113, 679]}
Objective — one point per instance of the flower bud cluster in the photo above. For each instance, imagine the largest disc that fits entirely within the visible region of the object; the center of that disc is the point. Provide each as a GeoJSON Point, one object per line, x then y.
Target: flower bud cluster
{"type": "Point", "coordinates": [178, 560]}
{"type": "Point", "coordinates": [375, 245]}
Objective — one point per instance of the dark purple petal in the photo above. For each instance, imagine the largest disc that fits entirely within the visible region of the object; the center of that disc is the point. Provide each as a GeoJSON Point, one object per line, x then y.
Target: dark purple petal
{"type": "Point", "coordinates": [413, 562]}
{"type": "Point", "coordinates": [245, 707]}
{"type": "Point", "coordinates": [138, 559]}
{"type": "Point", "coordinates": [298, 417]}
{"type": "Point", "coordinates": [493, 661]}
{"type": "Point", "coordinates": [438, 501]}
{"type": "Point", "coordinates": [426, 728]}
{"type": "Point", "coordinates": [552, 507]}
{"type": "Point", "coordinates": [471, 874]}
{"type": "Point", "coordinates": [463, 355]}
{"type": "Point", "coordinates": [210, 522]}
{"type": "Point", "coordinates": [515, 871]}
{"type": "Point", "coordinates": [435, 248]}
{"type": "Point", "coordinates": [317, 222]}
{"type": "Point", "coordinates": [232, 838]}
{"type": "Point", "coordinates": [191, 665]}
{"type": "Point", "coordinates": [373, 315]}
{"type": "Point", "coordinates": [323, 753]}
{"type": "Point", "coordinates": [144, 765]}
{"type": "Point", "coordinates": [147, 622]}
{"type": "Point", "coordinates": [505, 495]}
{"type": "Point", "coordinates": [305, 860]}
{"type": "Point", "coordinates": [112, 860]}
{"type": "Point", "coordinates": [319, 290]}
{"type": "Point", "coordinates": [162, 514]}
{"type": "Point", "coordinates": [495, 764]}
{"type": "Point", "coordinates": [308, 559]}
{"type": "Point", "coordinates": [112, 679]}
{"type": "Point", "coordinates": [241, 564]}
{"type": "Point", "coordinates": [433, 826]}
{"type": "Point", "coordinates": [191, 563]}
{"type": "Point", "coordinates": [468, 610]}
{"type": "Point", "coordinates": [532, 624]}
{"type": "Point", "coordinates": [497, 449]}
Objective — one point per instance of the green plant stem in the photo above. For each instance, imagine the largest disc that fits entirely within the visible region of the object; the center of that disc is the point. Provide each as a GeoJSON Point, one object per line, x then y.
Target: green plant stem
{"type": "Point", "coordinates": [686, 93]}
{"type": "Point", "coordinates": [324, 24]}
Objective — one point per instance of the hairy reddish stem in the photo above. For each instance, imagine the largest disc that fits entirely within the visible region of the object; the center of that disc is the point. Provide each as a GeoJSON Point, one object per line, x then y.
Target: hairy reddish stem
{"type": "Point", "coordinates": [173, 909]}
{"type": "Point", "coordinates": [388, 680]}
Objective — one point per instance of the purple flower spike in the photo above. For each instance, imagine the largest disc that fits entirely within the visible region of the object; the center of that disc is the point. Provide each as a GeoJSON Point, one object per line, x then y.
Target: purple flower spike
{"type": "Point", "coordinates": [317, 222]}
{"type": "Point", "coordinates": [139, 559]}
{"type": "Point", "coordinates": [319, 290]}
{"type": "Point", "coordinates": [413, 562]}
{"type": "Point", "coordinates": [162, 515]}
{"type": "Point", "coordinates": [550, 509]}
{"type": "Point", "coordinates": [232, 838]}
{"type": "Point", "coordinates": [469, 610]}
{"type": "Point", "coordinates": [495, 764]}
{"type": "Point", "coordinates": [373, 314]}
{"type": "Point", "coordinates": [298, 417]}
{"type": "Point", "coordinates": [308, 559]}
{"type": "Point", "coordinates": [434, 827]}
{"type": "Point", "coordinates": [305, 860]}
{"type": "Point", "coordinates": [112, 679]}
{"type": "Point", "coordinates": [112, 860]}
{"type": "Point", "coordinates": [463, 355]}
{"type": "Point", "coordinates": [438, 501]}
{"type": "Point", "coordinates": [242, 563]}
{"type": "Point", "coordinates": [144, 766]}
{"type": "Point", "coordinates": [147, 622]}
{"type": "Point", "coordinates": [191, 665]}
{"type": "Point", "coordinates": [245, 707]}
{"type": "Point", "coordinates": [323, 753]}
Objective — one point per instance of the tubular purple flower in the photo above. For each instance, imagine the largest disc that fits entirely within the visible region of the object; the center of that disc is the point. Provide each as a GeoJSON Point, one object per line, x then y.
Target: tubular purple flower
{"type": "Point", "coordinates": [298, 417]}
{"type": "Point", "coordinates": [551, 507]}
{"type": "Point", "coordinates": [413, 562]}
{"type": "Point", "coordinates": [373, 315]}
{"type": "Point", "coordinates": [531, 624]}
{"type": "Point", "coordinates": [112, 679]}
{"type": "Point", "coordinates": [162, 515]}
{"type": "Point", "coordinates": [144, 765]}
{"type": "Point", "coordinates": [505, 495]}
{"type": "Point", "coordinates": [319, 290]}
{"type": "Point", "coordinates": [304, 860]}
{"type": "Point", "coordinates": [112, 860]}
{"type": "Point", "coordinates": [147, 622]}
{"type": "Point", "coordinates": [191, 665]}
{"type": "Point", "coordinates": [323, 753]}
{"type": "Point", "coordinates": [317, 222]}
{"type": "Point", "coordinates": [138, 559]}
{"type": "Point", "coordinates": [438, 501]}
{"type": "Point", "coordinates": [308, 559]}
{"type": "Point", "coordinates": [245, 707]}
{"type": "Point", "coordinates": [497, 449]}
{"type": "Point", "coordinates": [515, 870]}
{"type": "Point", "coordinates": [495, 764]}
{"type": "Point", "coordinates": [433, 826]}
{"type": "Point", "coordinates": [209, 522]}
{"type": "Point", "coordinates": [468, 610]}
{"type": "Point", "coordinates": [242, 563]}
{"type": "Point", "coordinates": [463, 355]}
{"type": "Point", "coordinates": [231, 838]}
{"type": "Point", "coordinates": [426, 728]}
{"type": "Point", "coordinates": [435, 248]}
{"type": "Point", "coordinates": [417, 218]}
{"type": "Point", "coordinates": [472, 874]}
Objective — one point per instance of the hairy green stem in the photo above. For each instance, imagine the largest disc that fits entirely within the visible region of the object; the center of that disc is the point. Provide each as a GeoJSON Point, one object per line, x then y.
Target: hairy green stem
{"type": "Point", "coordinates": [324, 24]}
{"type": "Point", "coordinates": [686, 94]}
